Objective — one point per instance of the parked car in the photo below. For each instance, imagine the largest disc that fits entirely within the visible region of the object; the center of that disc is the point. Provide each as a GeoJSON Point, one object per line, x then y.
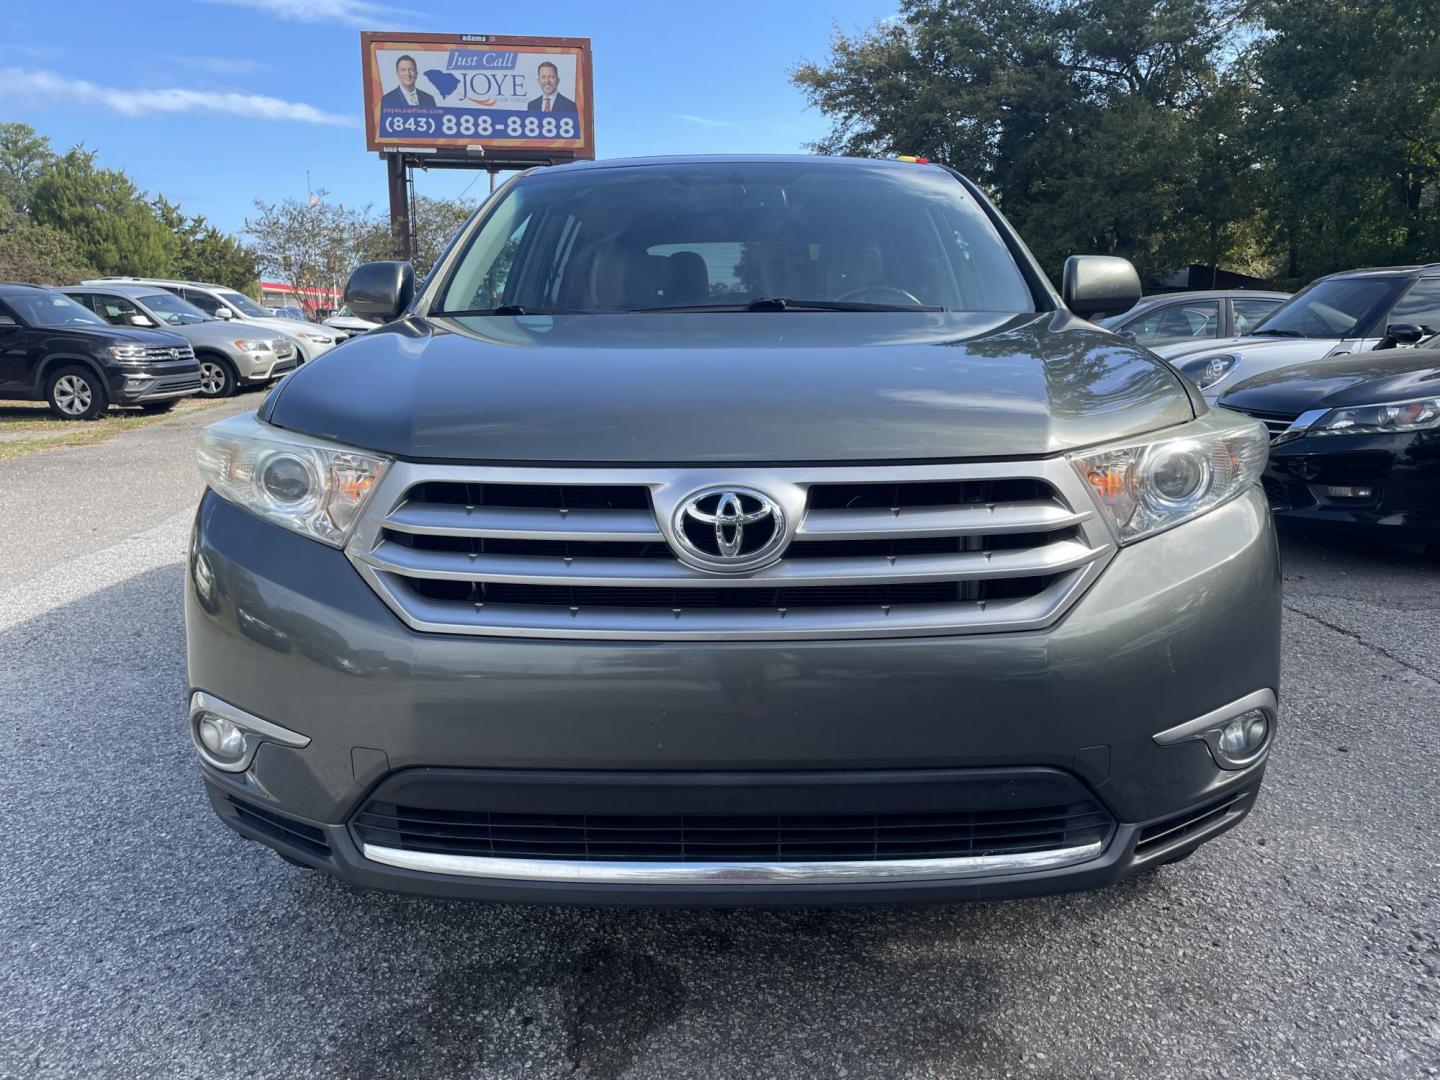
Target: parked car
{"type": "Point", "coordinates": [227, 361]}
{"type": "Point", "coordinates": [735, 530]}
{"type": "Point", "coordinates": [1356, 440]}
{"type": "Point", "coordinates": [1339, 315]}
{"type": "Point", "coordinates": [54, 350]}
{"type": "Point", "coordinates": [351, 324]}
{"type": "Point", "coordinates": [223, 303]}
{"type": "Point", "coordinates": [1191, 317]}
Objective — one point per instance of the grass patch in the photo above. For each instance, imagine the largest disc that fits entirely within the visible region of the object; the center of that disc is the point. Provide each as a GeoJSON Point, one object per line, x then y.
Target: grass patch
{"type": "Point", "coordinates": [28, 427]}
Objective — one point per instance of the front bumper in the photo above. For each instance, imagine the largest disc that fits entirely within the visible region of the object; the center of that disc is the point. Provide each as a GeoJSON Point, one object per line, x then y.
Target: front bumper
{"type": "Point", "coordinates": [262, 367]}
{"type": "Point", "coordinates": [1178, 625]}
{"type": "Point", "coordinates": [1384, 485]}
{"type": "Point", "coordinates": [161, 382]}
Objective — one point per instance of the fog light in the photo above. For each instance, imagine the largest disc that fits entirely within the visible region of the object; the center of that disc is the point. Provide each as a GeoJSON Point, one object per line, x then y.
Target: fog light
{"type": "Point", "coordinates": [1242, 738]}
{"type": "Point", "coordinates": [222, 738]}
{"type": "Point", "coordinates": [1344, 491]}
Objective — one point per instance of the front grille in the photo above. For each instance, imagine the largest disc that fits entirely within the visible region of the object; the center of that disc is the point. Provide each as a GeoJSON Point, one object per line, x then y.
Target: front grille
{"type": "Point", "coordinates": [165, 354]}
{"type": "Point", "coordinates": [733, 838]}
{"type": "Point", "coordinates": [1276, 423]}
{"type": "Point", "coordinates": [284, 350]}
{"type": "Point", "coordinates": [885, 551]}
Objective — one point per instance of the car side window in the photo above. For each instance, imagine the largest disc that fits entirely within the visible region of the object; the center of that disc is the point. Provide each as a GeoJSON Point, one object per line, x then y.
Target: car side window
{"type": "Point", "coordinates": [1250, 313]}
{"type": "Point", "coordinates": [115, 310]}
{"type": "Point", "coordinates": [1420, 306]}
{"type": "Point", "coordinates": [1177, 322]}
{"type": "Point", "coordinates": [204, 301]}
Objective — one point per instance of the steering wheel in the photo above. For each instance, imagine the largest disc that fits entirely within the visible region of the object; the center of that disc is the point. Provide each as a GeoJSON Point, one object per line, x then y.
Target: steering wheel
{"type": "Point", "coordinates": [889, 290]}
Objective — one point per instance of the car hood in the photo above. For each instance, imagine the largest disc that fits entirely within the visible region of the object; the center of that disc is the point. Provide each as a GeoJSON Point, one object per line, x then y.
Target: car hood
{"type": "Point", "coordinates": [753, 387]}
{"type": "Point", "coordinates": [224, 332]}
{"type": "Point", "coordinates": [1358, 379]}
{"type": "Point", "coordinates": [288, 327]}
{"type": "Point", "coordinates": [163, 339]}
{"type": "Point", "coordinates": [1284, 350]}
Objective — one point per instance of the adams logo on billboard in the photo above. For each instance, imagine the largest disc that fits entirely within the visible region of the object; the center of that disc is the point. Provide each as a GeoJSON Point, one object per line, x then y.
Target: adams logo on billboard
{"type": "Point", "coordinates": [520, 97]}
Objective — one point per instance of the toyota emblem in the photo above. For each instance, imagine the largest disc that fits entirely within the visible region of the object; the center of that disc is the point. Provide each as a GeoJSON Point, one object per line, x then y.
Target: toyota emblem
{"type": "Point", "coordinates": [729, 528]}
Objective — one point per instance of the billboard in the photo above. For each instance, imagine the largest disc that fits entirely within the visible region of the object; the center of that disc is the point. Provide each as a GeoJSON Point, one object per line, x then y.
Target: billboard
{"type": "Point", "coordinates": [520, 98]}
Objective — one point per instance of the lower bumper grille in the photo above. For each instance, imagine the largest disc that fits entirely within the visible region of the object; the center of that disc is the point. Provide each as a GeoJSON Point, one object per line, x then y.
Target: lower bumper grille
{"type": "Point", "coordinates": [1173, 830]}
{"type": "Point", "coordinates": [786, 838]}
{"type": "Point", "coordinates": [286, 831]}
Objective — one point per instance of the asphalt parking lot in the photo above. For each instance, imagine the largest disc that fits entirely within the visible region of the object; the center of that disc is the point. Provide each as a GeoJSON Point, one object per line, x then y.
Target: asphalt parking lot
{"type": "Point", "coordinates": [144, 939]}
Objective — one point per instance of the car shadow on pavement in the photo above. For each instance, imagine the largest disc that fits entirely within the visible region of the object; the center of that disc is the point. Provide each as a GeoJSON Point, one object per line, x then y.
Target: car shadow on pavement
{"type": "Point", "coordinates": [144, 930]}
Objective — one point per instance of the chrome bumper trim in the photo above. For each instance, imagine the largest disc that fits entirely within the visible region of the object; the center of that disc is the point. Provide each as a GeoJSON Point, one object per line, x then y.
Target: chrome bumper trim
{"type": "Point", "coordinates": [263, 730]}
{"type": "Point", "coordinates": [737, 873]}
{"type": "Point", "coordinates": [1192, 729]}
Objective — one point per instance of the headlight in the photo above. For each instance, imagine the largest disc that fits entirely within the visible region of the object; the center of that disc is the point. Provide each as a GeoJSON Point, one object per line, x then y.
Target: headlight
{"type": "Point", "coordinates": [1420, 415]}
{"type": "Point", "coordinates": [314, 487]}
{"type": "Point", "coordinates": [252, 345]}
{"type": "Point", "coordinates": [1209, 370]}
{"type": "Point", "coordinates": [128, 354]}
{"type": "Point", "coordinates": [310, 335]}
{"type": "Point", "coordinates": [1146, 487]}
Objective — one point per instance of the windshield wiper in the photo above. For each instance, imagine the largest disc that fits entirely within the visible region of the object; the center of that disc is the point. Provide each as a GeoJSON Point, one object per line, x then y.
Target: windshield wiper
{"type": "Point", "coordinates": [513, 309]}
{"type": "Point", "coordinates": [785, 303]}
{"type": "Point", "coordinates": [1277, 333]}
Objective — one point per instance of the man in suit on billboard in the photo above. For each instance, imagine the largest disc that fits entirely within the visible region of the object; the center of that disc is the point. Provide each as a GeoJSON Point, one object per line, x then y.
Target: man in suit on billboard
{"type": "Point", "coordinates": [550, 99]}
{"type": "Point", "coordinates": [406, 95]}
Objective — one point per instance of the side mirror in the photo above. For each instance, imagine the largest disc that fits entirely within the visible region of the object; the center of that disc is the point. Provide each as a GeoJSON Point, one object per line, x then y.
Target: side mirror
{"type": "Point", "coordinates": [141, 320]}
{"type": "Point", "coordinates": [1099, 285]}
{"type": "Point", "coordinates": [223, 313]}
{"type": "Point", "coordinates": [1404, 333]}
{"type": "Point", "coordinates": [6, 321]}
{"type": "Point", "coordinates": [380, 290]}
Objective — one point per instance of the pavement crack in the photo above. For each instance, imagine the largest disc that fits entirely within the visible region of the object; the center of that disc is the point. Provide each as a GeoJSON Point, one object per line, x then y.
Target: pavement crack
{"type": "Point", "coordinates": [1379, 650]}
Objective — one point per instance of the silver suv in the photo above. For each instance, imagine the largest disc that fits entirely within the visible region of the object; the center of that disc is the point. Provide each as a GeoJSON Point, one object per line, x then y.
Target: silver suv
{"type": "Point", "coordinates": [231, 355]}
{"type": "Point", "coordinates": [737, 531]}
{"type": "Point", "coordinates": [223, 303]}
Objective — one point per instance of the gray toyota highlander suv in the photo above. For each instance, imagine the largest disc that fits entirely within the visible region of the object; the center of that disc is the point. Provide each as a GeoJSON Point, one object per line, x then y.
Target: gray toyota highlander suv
{"type": "Point", "coordinates": [728, 531]}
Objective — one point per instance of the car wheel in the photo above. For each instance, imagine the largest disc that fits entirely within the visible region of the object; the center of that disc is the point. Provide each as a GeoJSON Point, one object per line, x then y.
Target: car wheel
{"type": "Point", "coordinates": [76, 393]}
{"type": "Point", "coordinates": [154, 407]}
{"type": "Point", "coordinates": [217, 377]}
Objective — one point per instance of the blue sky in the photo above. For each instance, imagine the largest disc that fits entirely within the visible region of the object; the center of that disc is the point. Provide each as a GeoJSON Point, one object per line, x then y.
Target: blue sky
{"type": "Point", "coordinates": [669, 78]}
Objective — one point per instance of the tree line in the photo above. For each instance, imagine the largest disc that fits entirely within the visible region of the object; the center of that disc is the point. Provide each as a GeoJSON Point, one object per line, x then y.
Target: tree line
{"type": "Point", "coordinates": [64, 218]}
{"type": "Point", "coordinates": [1285, 139]}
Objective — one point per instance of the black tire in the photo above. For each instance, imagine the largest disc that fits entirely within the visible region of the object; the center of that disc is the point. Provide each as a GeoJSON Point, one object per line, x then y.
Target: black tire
{"type": "Point", "coordinates": [74, 392]}
{"type": "Point", "coordinates": [217, 376]}
{"type": "Point", "coordinates": [156, 407]}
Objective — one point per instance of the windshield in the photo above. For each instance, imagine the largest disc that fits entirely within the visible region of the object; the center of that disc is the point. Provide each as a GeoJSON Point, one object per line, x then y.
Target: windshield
{"type": "Point", "coordinates": [1345, 307]}
{"type": "Point", "coordinates": [724, 236]}
{"type": "Point", "coordinates": [53, 309]}
{"type": "Point", "coordinates": [171, 310]}
{"type": "Point", "coordinates": [245, 305]}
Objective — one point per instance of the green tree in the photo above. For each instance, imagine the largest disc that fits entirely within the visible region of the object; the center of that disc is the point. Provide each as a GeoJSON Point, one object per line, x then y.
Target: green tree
{"type": "Point", "coordinates": [108, 219]}
{"type": "Point", "coordinates": [436, 221]}
{"type": "Point", "coordinates": [1351, 134]}
{"type": "Point", "coordinates": [1081, 116]}
{"type": "Point", "coordinates": [23, 154]}
{"type": "Point", "coordinates": [205, 253]}
{"type": "Point", "coordinates": [38, 254]}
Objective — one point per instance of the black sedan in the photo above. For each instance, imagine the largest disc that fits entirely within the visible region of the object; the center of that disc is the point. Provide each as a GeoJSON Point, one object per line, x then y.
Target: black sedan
{"type": "Point", "coordinates": [1355, 440]}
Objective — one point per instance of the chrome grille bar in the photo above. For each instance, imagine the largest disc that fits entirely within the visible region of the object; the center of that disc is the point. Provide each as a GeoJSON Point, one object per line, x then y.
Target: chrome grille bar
{"type": "Point", "coordinates": [988, 519]}
{"type": "Point", "coordinates": [637, 573]}
{"type": "Point", "coordinates": [523, 523]}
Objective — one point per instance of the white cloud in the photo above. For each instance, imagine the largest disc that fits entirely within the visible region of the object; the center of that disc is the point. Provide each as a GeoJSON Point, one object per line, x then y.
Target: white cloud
{"type": "Point", "coordinates": [220, 65]}
{"type": "Point", "coordinates": [46, 85]}
{"type": "Point", "coordinates": [704, 121]}
{"type": "Point", "coordinates": [351, 12]}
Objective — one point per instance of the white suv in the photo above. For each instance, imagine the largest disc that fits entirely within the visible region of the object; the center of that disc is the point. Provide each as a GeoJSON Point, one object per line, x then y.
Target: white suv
{"type": "Point", "coordinates": [227, 303]}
